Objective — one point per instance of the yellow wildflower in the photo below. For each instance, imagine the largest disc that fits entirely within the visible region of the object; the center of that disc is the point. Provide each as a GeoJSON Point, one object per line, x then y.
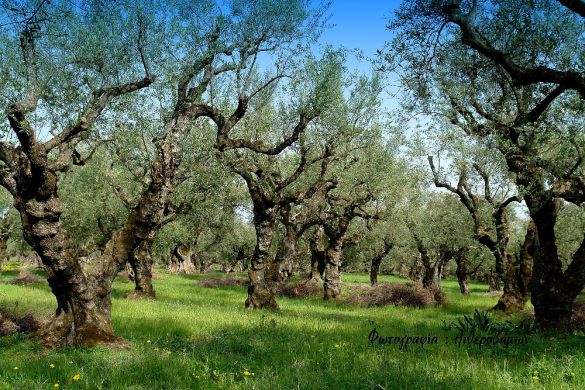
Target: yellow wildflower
{"type": "Point", "coordinates": [76, 377]}
{"type": "Point", "coordinates": [148, 341]}
{"type": "Point", "coordinates": [52, 365]}
{"type": "Point", "coordinates": [56, 385]}
{"type": "Point", "coordinates": [535, 377]}
{"type": "Point", "coordinates": [15, 368]}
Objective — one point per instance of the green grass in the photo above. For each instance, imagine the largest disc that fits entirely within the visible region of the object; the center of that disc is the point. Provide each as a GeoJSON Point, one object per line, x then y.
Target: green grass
{"type": "Point", "coordinates": [194, 338]}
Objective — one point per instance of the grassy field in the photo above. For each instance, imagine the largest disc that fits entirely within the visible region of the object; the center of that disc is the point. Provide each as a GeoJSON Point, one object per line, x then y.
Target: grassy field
{"type": "Point", "coordinates": [195, 338]}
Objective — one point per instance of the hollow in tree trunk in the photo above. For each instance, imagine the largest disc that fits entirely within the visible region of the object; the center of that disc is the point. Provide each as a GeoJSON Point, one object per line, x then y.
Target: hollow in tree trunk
{"type": "Point", "coordinates": [181, 260]}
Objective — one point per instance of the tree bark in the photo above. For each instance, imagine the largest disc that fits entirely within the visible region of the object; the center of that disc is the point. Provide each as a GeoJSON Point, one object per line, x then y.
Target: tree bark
{"type": "Point", "coordinates": [332, 283]}
{"type": "Point", "coordinates": [260, 295]}
{"type": "Point", "coordinates": [83, 314]}
{"type": "Point", "coordinates": [374, 270]}
{"type": "Point", "coordinates": [553, 302]}
{"type": "Point", "coordinates": [317, 264]}
{"type": "Point", "coordinates": [377, 261]}
{"type": "Point", "coordinates": [181, 260]}
{"type": "Point", "coordinates": [462, 273]}
{"type": "Point", "coordinates": [493, 282]}
{"type": "Point", "coordinates": [428, 269]}
{"type": "Point", "coordinates": [141, 262]}
{"type": "Point", "coordinates": [5, 227]}
{"type": "Point", "coordinates": [516, 292]}
{"type": "Point", "coordinates": [281, 268]}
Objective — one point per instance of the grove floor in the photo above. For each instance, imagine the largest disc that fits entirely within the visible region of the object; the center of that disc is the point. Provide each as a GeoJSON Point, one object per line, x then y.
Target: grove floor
{"type": "Point", "coordinates": [193, 337]}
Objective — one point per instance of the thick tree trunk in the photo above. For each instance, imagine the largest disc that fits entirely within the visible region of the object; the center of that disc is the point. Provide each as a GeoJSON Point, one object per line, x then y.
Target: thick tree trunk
{"type": "Point", "coordinates": [83, 314]}
{"type": "Point", "coordinates": [437, 273]}
{"type": "Point", "coordinates": [462, 274]}
{"type": "Point", "coordinates": [428, 270]}
{"type": "Point", "coordinates": [260, 296]}
{"type": "Point", "coordinates": [463, 285]}
{"type": "Point", "coordinates": [493, 281]}
{"type": "Point", "coordinates": [181, 261]}
{"type": "Point", "coordinates": [332, 283]}
{"type": "Point", "coordinates": [516, 292]}
{"type": "Point", "coordinates": [374, 270]}
{"type": "Point", "coordinates": [281, 268]}
{"type": "Point", "coordinates": [317, 265]}
{"type": "Point", "coordinates": [141, 262]}
{"type": "Point", "coordinates": [317, 256]}
{"type": "Point", "coordinates": [550, 295]}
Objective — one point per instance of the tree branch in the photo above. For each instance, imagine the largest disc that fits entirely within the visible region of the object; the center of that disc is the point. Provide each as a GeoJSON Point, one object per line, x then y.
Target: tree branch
{"type": "Point", "coordinates": [471, 37]}
{"type": "Point", "coordinates": [577, 6]}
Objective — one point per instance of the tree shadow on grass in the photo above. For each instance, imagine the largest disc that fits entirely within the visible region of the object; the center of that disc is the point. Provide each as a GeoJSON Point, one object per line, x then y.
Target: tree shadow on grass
{"type": "Point", "coordinates": [304, 356]}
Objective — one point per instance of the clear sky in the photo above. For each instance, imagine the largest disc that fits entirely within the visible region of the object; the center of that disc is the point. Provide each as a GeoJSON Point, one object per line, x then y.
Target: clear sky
{"type": "Point", "coordinates": [360, 24]}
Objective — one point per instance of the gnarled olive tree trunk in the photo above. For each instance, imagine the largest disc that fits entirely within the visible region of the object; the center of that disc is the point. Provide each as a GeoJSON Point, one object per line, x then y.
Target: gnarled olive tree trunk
{"type": "Point", "coordinates": [377, 261]}
{"type": "Point", "coordinates": [516, 292]}
{"type": "Point", "coordinates": [281, 268]}
{"type": "Point", "coordinates": [317, 255]}
{"type": "Point", "coordinates": [552, 290]}
{"type": "Point", "coordinates": [260, 295]}
{"type": "Point", "coordinates": [332, 281]}
{"type": "Point", "coordinates": [83, 314]}
{"type": "Point", "coordinates": [181, 260]}
{"type": "Point", "coordinates": [462, 274]}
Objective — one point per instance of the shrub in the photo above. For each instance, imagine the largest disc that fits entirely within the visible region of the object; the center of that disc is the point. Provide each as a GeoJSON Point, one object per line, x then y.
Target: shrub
{"type": "Point", "coordinates": [402, 294]}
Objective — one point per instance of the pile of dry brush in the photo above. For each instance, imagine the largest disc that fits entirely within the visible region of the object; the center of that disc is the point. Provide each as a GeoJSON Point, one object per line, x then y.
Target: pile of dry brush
{"type": "Point", "coordinates": [402, 294]}
{"type": "Point", "coordinates": [12, 322]}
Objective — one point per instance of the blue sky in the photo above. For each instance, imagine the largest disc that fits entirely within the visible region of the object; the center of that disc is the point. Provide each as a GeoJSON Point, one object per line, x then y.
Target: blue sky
{"type": "Point", "coordinates": [360, 24]}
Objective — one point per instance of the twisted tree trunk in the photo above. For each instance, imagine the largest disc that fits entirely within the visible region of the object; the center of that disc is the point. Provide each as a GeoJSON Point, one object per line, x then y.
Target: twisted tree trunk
{"type": "Point", "coordinates": [83, 314]}
{"type": "Point", "coordinates": [332, 282]}
{"type": "Point", "coordinates": [141, 262]}
{"type": "Point", "coordinates": [377, 261]}
{"type": "Point", "coordinates": [181, 260]}
{"type": "Point", "coordinates": [260, 295]}
{"type": "Point", "coordinates": [516, 292]}
{"type": "Point", "coordinates": [462, 274]}
{"type": "Point", "coordinates": [281, 268]}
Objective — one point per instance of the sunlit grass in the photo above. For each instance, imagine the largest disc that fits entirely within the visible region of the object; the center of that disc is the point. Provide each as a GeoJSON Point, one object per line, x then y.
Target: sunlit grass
{"type": "Point", "coordinates": [193, 337]}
